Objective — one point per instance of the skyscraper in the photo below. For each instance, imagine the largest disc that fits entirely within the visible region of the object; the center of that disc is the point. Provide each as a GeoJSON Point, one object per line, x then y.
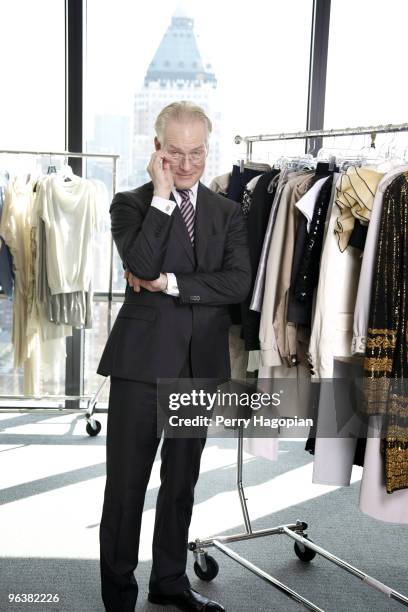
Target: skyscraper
{"type": "Point", "coordinates": [176, 72]}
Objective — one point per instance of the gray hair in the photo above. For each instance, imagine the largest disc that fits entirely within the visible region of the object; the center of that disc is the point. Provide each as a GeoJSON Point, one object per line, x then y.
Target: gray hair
{"type": "Point", "coordinates": [179, 111]}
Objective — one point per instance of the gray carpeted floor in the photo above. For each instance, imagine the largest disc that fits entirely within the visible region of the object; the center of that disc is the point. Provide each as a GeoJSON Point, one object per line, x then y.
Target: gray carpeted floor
{"type": "Point", "coordinates": [52, 477]}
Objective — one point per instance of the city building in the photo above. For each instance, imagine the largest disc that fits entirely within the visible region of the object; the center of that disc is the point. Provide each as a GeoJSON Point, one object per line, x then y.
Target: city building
{"type": "Point", "coordinates": [176, 72]}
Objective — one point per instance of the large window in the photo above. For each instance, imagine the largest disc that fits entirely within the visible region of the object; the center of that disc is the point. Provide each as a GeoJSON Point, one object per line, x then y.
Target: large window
{"type": "Point", "coordinates": [32, 48]}
{"type": "Point", "coordinates": [32, 117]}
{"type": "Point", "coordinates": [238, 62]}
{"type": "Point", "coordinates": [246, 64]}
{"type": "Point", "coordinates": [366, 82]}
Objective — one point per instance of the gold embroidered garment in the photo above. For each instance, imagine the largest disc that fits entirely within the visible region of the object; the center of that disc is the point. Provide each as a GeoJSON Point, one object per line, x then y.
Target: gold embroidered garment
{"type": "Point", "coordinates": [385, 384]}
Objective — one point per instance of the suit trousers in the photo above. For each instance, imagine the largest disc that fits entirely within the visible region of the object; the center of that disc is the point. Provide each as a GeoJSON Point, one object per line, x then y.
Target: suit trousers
{"type": "Point", "coordinates": [131, 445]}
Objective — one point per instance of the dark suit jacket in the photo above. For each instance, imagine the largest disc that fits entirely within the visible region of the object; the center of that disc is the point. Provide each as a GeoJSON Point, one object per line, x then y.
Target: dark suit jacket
{"type": "Point", "coordinates": [153, 331]}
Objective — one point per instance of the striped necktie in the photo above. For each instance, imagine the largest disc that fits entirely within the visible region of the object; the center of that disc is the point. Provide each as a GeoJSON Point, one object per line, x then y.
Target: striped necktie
{"type": "Point", "coordinates": [187, 211]}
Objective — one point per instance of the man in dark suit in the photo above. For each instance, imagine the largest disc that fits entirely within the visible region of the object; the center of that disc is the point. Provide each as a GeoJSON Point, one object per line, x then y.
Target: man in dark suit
{"type": "Point", "coordinates": [185, 254]}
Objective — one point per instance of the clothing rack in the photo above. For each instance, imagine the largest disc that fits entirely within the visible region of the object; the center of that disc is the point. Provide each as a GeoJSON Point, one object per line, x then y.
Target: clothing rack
{"type": "Point", "coordinates": [373, 130]}
{"type": "Point", "coordinates": [205, 566]}
{"type": "Point", "coordinates": [93, 427]}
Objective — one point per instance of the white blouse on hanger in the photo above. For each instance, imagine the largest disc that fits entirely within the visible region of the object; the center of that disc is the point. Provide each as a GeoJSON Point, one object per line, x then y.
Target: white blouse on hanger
{"type": "Point", "coordinates": [70, 211]}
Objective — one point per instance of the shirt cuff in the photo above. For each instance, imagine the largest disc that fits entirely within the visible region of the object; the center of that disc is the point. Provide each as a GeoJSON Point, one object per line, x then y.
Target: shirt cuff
{"type": "Point", "coordinates": [358, 345]}
{"type": "Point", "coordinates": [172, 286]}
{"type": "Point", "coordinates": [166, 206]}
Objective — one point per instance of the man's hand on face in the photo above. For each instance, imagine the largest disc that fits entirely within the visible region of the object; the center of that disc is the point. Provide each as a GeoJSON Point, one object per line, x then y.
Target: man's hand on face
{"type": "Point", "coordinates": [159, 284]}
{"type": "Point", "coordinates": [161, 174]}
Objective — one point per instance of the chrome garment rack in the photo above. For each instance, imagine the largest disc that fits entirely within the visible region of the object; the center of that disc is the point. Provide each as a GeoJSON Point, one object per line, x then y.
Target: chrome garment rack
{"type": "Point", "coordinates": [373, 130]}
{"type": "Point", "coordinates": [205, 566]}
{"type": "Point", "coordinates": [93, 427]}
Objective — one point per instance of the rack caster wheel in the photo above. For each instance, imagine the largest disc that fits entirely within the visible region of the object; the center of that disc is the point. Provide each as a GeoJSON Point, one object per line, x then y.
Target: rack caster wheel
{"type": "Point", "coordinates": [211, 571]}
{"type": "Point", "coordinates": [93, 427]}
{"type": "Point", "coordinates": [305, 554]}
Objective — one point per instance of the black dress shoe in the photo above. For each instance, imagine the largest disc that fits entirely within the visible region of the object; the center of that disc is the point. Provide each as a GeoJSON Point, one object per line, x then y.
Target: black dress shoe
{"type": "Point", "coordinates": [189, 600]}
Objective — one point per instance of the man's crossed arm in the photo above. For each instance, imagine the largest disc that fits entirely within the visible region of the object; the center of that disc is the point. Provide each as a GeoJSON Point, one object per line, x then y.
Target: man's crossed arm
{"type": "Point", "coordinates": [160, 284]}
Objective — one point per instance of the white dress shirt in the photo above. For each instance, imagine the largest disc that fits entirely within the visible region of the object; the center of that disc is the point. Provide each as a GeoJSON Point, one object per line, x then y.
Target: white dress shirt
{"type": "Point", "coordinates": [167, 206]}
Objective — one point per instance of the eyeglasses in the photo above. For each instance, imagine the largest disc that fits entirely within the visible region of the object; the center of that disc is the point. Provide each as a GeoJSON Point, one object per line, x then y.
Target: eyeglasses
{"type": "Point", "coordinates": [195, 157]}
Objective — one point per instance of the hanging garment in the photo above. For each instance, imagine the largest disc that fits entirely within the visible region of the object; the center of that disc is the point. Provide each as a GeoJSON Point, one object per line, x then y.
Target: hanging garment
{"type": "Point", "coordinates": [259, 286]}
{"type": "Point", "coordinates": [236, 187]}
{"type": "Point", "coordinates": [307, 203]}
{"type": "Point", "coordinates": [335, 450]}
{"type": "Point", "coordinates": [386, 357]}
{"type": "Point", "coordinates": [239, 179]}
{"type": "Point", "coordinates": [238, 354]}
{"type": "Point", "coordinates": [260, 200]}
{"type": "Point", "coordinates": [258, 446]}
{"type": "Point", "coordinates": [362, 309]}
{"type": "Point", "coordinates": [266, 448]}
{"type": "Point", "coordinates": [38, 344]}
{"type": "Point", "coordinates": [46, 341]}
{"type": "Point", "coordinates": [374, 499]}
{"type": "Point", "coordinates": [70, 309]}
{"type": "Point", "coordinates": [219, 184]}
{"type": "Point", "coordinates": [358, 236]}
{"type": "Point", "coordinates": [6, 259]}
{"type": "Point", "coordinates": [248, 194]}
{"type": "Point", "coordinates": [276, 336]}
{"type": "Point", "coordinates": [39, 318]}
{"type": "Point", "coordinates": [355, 196]}
{"type": "Point", "coordinates": [15, 230]}
{"type": "Point", "coordinates": [308, 272]}
{"type": "Point", "coordinates": [240, 366]}
{"type": "Point", "coordinates": [340, 434]}
{"type": "Point", "coordinates": [47, 351]}
{"type": "Point", "coordinates": [70, 211]}
{"type": "Point", "coordinates": [254, 362]}
{"type": "Point", "coordinates": [300, 311]}
{"type": "Point", "coordinates": [332, 325]}
{"type": "Point", "coordinates": [300, 388]}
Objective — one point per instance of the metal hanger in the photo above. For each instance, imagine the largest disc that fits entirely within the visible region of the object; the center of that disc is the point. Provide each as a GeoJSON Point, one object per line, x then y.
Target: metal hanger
{"type": "Point", "coordinates": [51, 167]}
